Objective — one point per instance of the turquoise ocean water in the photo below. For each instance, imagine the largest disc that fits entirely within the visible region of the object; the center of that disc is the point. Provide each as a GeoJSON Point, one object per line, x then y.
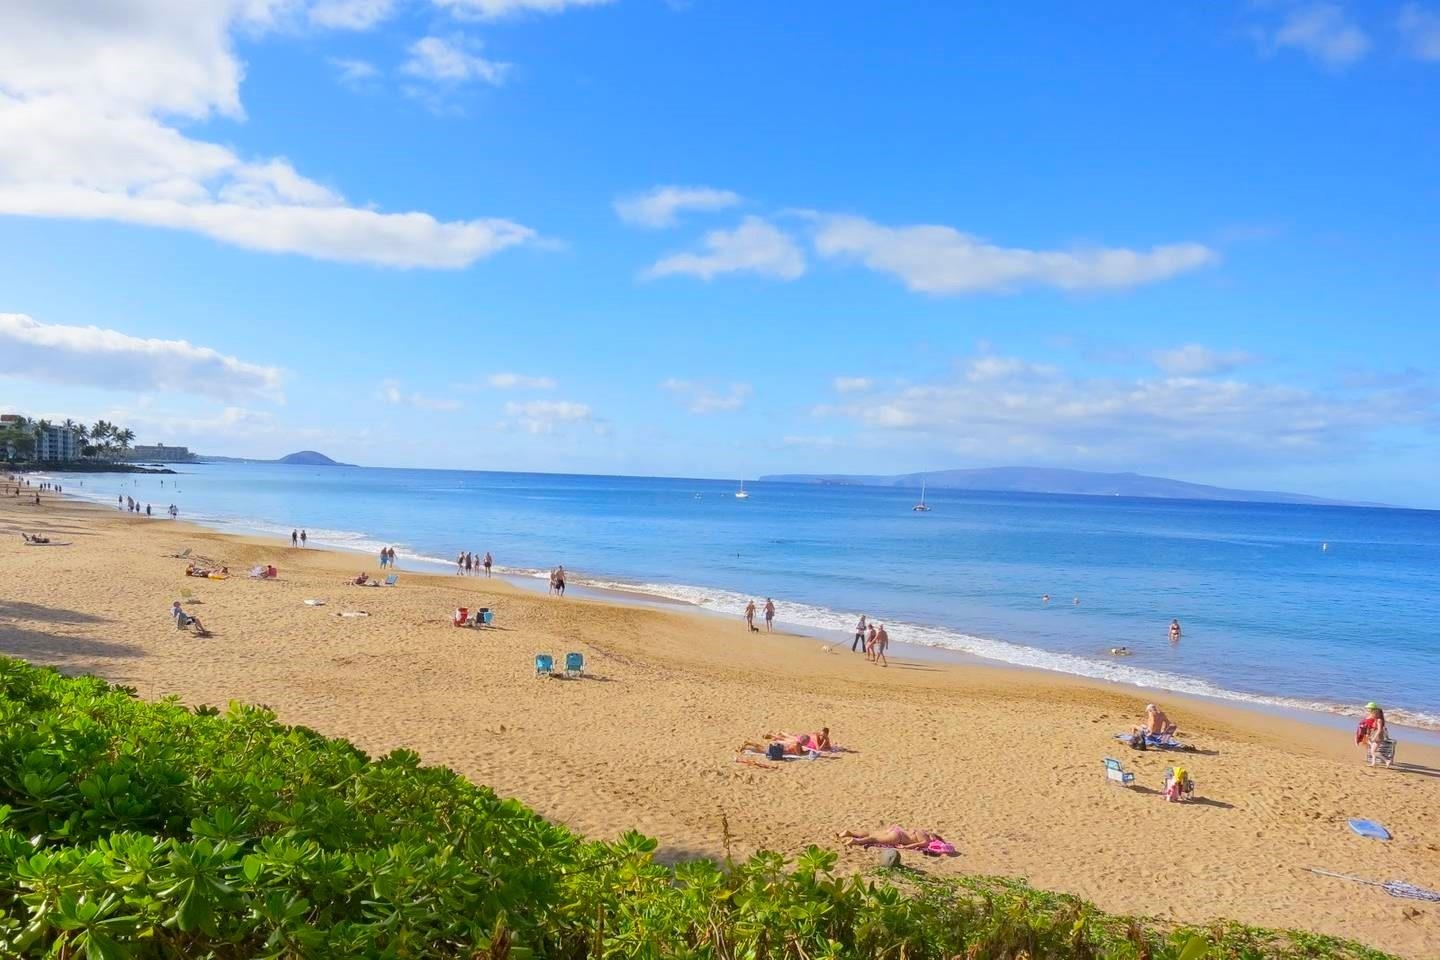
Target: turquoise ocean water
{"type": "Point", "coordinates": [1270, 612]}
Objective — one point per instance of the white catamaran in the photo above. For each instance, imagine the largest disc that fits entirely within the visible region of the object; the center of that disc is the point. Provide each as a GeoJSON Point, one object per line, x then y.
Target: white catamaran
{"type": "Point", "coordinates": [922, 506]}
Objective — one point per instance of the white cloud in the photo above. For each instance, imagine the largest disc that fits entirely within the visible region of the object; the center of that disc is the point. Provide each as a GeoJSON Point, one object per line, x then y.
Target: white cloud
{"type": "Point", "coordinates": [518, 381]}
{"type": "Point", "coordinates": [942, 260]}
{"type": "Point", "coordinates": [497, 9]}
{"type": "Point", "coordinates": [1421, 30]}
{"type": "Point", "coordinates": [755, 246]}
{"type": "Point", "coordinates": [1194, 360]}
{"type": "Point", "coordinates": [1322, 31]}
{"type": "Point", "coordinates": [852, 384]}
{"type": "Point", "coordinates": [354, 74]}
{"type": "Point", "coordinates": [699, 398]}
{"type": "Point", "coordinates": [1021, 412]}
{"type": "Point", "coordinates": [97, 98]}
{"type": "Point", "coordinates": [351, 14]}
{"type": "Point", "coordinates": [660, 206]}
{"type": "Point", "coordinates": [393, 393]}
{"type": "Point", "coordinates": [450, 62]}
{"type": "Point", "coordinates": [548, 416]}
{"type": "Point", "coordinates": [111, 360]}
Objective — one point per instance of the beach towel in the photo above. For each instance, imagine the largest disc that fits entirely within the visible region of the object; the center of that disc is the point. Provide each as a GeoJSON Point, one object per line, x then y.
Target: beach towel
{"type": "Point", "coordinates": [314, 603]}
{"type": "Point", "coordinates": [1158, 741]}
{"type": "Point", "coordinates": [809, 755]}
{"type": "Point", "coordinates": [353, 613]}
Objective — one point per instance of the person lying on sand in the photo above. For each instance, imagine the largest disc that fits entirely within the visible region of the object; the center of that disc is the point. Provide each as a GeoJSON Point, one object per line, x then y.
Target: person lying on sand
{"type": "Point", "coordinates": [791, 748]}
{"type": "Point", "coordinates": [1156, 724]}
{"type": "Point", "coordinates": [897, 837]}
{"type": "Point", "coordinates": [183, 620]}
{"type": "Point", "coordinates": [808, 741]}
{"type": "Point", "coordinates": [35, 538]}
{"type": "Point", "coordinates": [360, 580]}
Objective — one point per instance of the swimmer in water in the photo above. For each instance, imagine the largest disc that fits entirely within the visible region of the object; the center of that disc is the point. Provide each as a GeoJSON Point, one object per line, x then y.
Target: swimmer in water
{"type": "Point", "coordinates": [1045, 598]}
{"type": "Point", "coordinates": [1120, 651]}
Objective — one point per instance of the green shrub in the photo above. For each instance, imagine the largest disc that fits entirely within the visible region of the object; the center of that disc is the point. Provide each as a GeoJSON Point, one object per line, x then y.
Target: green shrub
{"type": "Point", "coordinates": [147, 830]}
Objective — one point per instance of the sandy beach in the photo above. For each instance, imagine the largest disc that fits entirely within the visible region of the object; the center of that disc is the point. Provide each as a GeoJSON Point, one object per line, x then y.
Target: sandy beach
{"type": "Point", "coordinates": [1005, 763]}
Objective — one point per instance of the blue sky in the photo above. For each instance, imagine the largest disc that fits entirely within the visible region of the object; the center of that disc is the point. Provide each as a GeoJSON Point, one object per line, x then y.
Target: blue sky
{"type": "Point", "coordinates": [722, 239]}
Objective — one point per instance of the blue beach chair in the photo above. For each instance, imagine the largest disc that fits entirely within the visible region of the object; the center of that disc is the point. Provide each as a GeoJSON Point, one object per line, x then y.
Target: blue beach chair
{"type": "Point", "coordinates": [393, 579]}
{"type": "Point", "coordinates": [574, 666]}
{"type": "Point", "coordinates": [1116, 773]}
{"type": "Point", "coordinates": [485, 617]}
{"type": "Point", "coordinates": [544, 665]}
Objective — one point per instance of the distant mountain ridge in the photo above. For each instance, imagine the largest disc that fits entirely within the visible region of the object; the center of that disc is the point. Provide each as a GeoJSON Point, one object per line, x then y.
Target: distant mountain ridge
{"type": "Point", "coordinates": [1058, 481]}
{"type": "Point", "coordinates": [301, 458]}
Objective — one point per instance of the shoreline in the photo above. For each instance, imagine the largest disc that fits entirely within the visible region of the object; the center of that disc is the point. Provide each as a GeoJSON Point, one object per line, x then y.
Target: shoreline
{"type": "Point", "coordinates": [1330, 715]}
{"type": "Point", "coordinates": [1005, 762]}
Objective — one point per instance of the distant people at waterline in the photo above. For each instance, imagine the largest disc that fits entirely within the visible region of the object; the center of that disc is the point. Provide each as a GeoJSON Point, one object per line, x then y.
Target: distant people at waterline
{"type": "Point", "coordinates": [488, 561]}
{"type": "Point", "coordinates": [303, 537]}
{"type": "Point", "coordinates": [859, 642]}
{"type": "Point", "coordinates": [750, 617]}
{"type": "Point", "coordinates": [769, 614]}
{"type": "Point", "coordinates": [294, 538]}
{"type": "Point", "coordinates": [557, 581]}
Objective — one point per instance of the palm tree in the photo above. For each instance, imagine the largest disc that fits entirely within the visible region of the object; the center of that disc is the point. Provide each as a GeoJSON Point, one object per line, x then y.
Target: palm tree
{"type": "Point", "coordinates": [126, 437]}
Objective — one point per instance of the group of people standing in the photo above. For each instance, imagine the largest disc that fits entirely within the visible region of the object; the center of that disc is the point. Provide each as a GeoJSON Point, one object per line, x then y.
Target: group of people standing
{"type": "Point", "coordinates": [769, 615]}
{"type": "Point", "coordinates": [387, 557]}
{"type": "Point", "coordinates": [131, 505]}
{"type": "Point", "coordinates": [298, 538]}
{"type": "Point", "coordinates": [872, 638]}
{"type": "Point", "coordinates": [466, 563]}
{"type": "Point", "coordinates": [557, 579]}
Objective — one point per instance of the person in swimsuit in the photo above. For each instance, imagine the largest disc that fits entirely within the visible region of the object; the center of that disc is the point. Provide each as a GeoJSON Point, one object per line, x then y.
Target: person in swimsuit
{"type": "Point", "coordinates": [1375, 735]}
{"type": "Point", "coordinates": [557, 580]}
{"type": "Point", "coordinates": [1174, 631]}
{"type": "Point", "coordinates": [294, 538]}
{"type": "Point", "coordinates": [488, 561]}
{"type": "Point", "coordinates": [469, 562]}
{"type": "Point", "coordinates": [870, 642]}
{"type": "Point", "coordinates": [1156, 724]}
{"type": "Point", "coordinates": [882, 640]}
{"type": "Point", "coordinates": [750, 615]}
{"type": "Point", "coordinates": [807, 741]}
{"type": "Point", "coordinates": [769, 614]}
{"type": "Point", "coordinates": [304, 536]}
{"type": "Point", "coordinates": [889, 837]}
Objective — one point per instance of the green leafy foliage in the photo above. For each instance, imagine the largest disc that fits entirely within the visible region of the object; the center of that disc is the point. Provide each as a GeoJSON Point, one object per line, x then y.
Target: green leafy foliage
{"type": "Point", "coordinates": [133, 830]}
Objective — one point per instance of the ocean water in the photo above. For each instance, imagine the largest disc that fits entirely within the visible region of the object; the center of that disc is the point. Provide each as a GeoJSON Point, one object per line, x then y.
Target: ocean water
{"type": "Point", "coordinates": [1302, 606]}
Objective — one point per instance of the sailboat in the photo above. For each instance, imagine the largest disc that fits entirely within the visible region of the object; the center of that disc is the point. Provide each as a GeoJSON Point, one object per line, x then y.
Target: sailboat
{"type": "Point", "coordinates": [741, 494]}
{"type": "Point", "coordinates": [922, 506]}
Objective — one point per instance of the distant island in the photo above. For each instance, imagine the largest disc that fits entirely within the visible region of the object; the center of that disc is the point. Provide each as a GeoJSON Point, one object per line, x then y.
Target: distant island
{"type": "Point", "coordinates": [1056, 481]}
{"type": "Point", "coordinates": [300, 458]}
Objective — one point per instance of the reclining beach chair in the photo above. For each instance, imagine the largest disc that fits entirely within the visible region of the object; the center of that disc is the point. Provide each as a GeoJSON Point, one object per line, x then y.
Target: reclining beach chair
{"type": "Point", "coordinates": [486, 617]}
{"type": "Point", "coordinates": [461, 617]}
{"type": "Point", "coordinates": [544, 665]}
{"type": "Point", "coordinates": [393, 579]}
{"type": "Point", "coordinates": [1116, 773]}
{"type": "Point", "coordinates": [574, 666]}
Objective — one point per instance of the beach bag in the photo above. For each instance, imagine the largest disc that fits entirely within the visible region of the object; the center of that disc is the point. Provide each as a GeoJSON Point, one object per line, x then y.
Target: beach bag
{"type": "Point", "coordinates": [775, 752]}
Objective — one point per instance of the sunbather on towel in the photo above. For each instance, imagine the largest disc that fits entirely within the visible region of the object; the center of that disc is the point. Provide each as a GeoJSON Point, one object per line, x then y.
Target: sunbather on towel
{"type": "Point", "coordinates": [1156, 724]}
{"type": "Point", "coordinates": [791, 748]}
{"type": "Point", "coordinates": [900, 838]}
{"type": "Point", "coordinates": [807, 741]}
{"type": "Point", "coordinates": [361, 580]}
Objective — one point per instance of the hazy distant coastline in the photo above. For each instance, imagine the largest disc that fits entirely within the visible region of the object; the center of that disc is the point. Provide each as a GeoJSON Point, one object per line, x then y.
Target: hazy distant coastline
{"type": "Point", "coordinates": [1057, 481]}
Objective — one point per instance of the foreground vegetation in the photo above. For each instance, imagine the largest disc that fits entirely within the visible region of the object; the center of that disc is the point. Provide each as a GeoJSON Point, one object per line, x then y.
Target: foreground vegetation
{"type": "Point", "coordinates": [148, 830]}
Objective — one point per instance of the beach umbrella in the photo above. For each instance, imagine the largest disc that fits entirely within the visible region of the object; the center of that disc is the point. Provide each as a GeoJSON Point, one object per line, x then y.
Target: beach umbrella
{"type": "Point", "coordinates": [1396, 888]}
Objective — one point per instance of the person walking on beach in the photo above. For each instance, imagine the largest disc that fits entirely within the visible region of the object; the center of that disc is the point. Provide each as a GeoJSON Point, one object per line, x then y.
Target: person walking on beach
{"type": "Point", "coordinates": [460, 563]}
{"type": "Point", "coordinates": [469, 562]}
{"type": "Point", "coordinates": [384, 558]}
{"type": "Point", "coordinates": [1174, 631]}
{"type": "Point", "coordinates": [750, 616]}
{"type": "Point", "coordinates": [390, 555]}
{"type": "Point", "coordinates": [304, 538]}
{"type": "Point", "coordinates": [859, 641]}
{"type": "Point", "coordinates": [294, 538]}
{"type": "Point", "coordinates": [882, 640]}
{"type": "Point", "coordinates": [487, 562]}
{"type": "Point", "coordinates": [769, 615]}
{"type": "Point", "coordinates": [557, 580]}
{"type": "Point", "coordinates": [870, 642]}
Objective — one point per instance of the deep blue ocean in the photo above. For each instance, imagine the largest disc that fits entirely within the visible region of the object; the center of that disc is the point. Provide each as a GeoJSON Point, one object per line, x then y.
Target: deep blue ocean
{"type": "Point", "coordinates": [1302, 606]}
